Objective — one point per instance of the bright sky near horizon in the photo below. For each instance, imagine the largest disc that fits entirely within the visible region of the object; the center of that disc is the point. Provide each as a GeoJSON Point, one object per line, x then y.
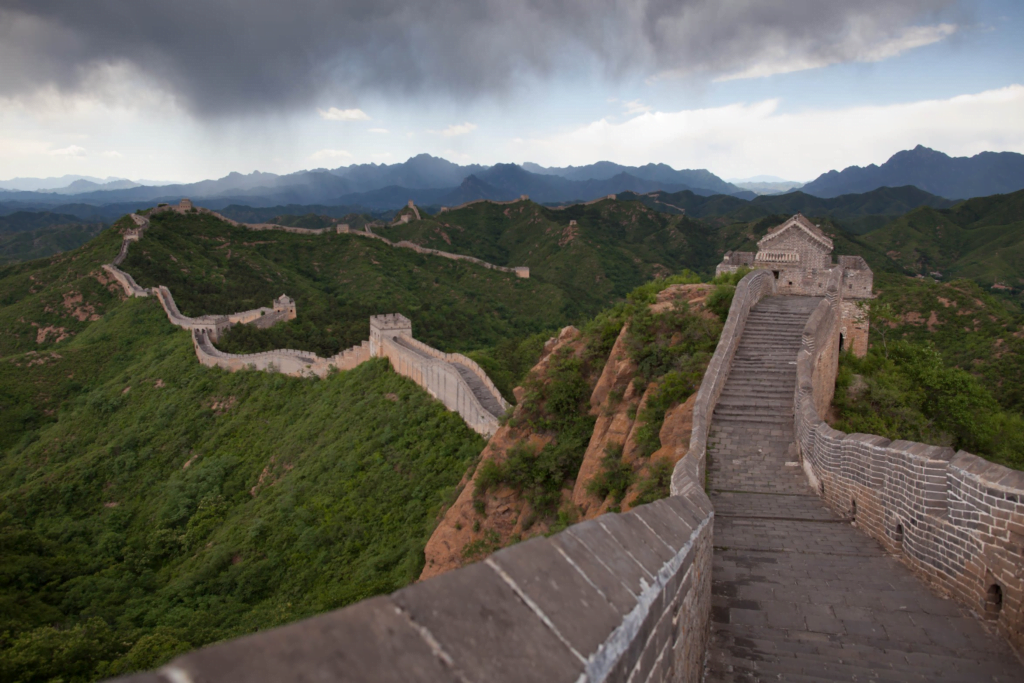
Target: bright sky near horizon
{"type": "Point", "coordinates": [198, 88]}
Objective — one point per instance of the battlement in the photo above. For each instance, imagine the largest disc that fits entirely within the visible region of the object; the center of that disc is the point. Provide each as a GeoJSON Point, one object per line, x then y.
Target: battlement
{"type": "Point", "coordinates": [391, 322]}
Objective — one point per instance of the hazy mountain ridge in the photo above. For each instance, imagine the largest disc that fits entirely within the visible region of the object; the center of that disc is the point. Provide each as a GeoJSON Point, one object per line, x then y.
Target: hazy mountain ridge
{"type": "Point", "coordinates": [984, 174]}
{"type": "Point", "coordinates": [425, 178]}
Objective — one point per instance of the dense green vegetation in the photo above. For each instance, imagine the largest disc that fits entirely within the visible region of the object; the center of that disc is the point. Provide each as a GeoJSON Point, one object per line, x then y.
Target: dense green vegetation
{"type": "Point", "coordinates": [859, 213]}
{"type": "Point", "coordinates": [614, 246]}
{"type": "Point", "coordinates": [27, 235]}
{"type": "Point", "coordinates": [911, 392]}
{"type": "Point", "coordinates": [338, 282]}
{"type": "Point", "coordinates": [170, 505]}
{"type": "Point", "coordinates": [980, 239]}
{"type": "Point", "coordinates": [149, 505]}
{"type": "Point", "coordinates": [946, 367]}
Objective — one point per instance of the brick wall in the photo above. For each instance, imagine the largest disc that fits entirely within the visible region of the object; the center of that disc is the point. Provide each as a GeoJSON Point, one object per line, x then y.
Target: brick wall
{"type": "Point", "coordinates": [956, 519]}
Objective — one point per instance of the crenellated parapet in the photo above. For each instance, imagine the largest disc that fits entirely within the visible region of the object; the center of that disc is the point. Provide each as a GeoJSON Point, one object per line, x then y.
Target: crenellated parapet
{"type": "Point", "coordinates": [955, 518]}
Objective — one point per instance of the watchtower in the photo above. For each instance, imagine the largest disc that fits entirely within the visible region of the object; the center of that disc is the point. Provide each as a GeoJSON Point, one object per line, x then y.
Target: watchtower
{"type": "Point", "coordinates": [185, 205]}
{"type": "Point", "coordinates": [387, 327]}
{"type": "Point", "coordinates": [285, 304]}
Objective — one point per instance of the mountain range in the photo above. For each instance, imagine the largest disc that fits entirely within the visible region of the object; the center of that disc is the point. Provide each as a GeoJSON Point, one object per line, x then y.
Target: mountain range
{"type": "Point", "coordinates": [984, 174]}
{"type": "Point", "coordinates": [434, 182]}
{"type": "Point", "coordinates": [426, 179]}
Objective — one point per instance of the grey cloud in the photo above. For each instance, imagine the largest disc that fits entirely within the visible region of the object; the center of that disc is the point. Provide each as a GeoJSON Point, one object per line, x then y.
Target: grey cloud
{"type": "Point", "coordinates": [230, 57]}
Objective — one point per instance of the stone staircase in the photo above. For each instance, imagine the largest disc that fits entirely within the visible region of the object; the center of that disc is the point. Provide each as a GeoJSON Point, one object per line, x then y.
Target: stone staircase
{"type": "Point", "coordinates": [756, 406]}
{"type": "Point", "coordinates": [799, 594]}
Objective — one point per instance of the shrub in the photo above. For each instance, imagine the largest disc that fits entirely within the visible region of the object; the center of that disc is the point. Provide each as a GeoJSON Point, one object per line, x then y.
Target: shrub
{"type": "Point", "coordinates": [615, 476]}
{"type": "Point", "coordinates": [657, 484]}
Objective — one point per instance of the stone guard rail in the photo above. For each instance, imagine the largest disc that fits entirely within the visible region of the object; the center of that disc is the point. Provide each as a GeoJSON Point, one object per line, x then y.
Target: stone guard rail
{"type": "Point", "coordinates": [957, 519]}
{"type": "Point", "coordinates": [625, 597]}
{"type": "Point", "coordinates": [690, 471]}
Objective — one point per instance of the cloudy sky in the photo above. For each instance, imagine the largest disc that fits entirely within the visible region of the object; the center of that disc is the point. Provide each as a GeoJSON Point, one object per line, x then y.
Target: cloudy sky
{"type": "Point", "coordinates": [194, 89]}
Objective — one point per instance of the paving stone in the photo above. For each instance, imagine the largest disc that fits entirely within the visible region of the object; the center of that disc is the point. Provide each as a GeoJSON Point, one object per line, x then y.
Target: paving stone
{"type": "Point", "coordinates": [830, 602]}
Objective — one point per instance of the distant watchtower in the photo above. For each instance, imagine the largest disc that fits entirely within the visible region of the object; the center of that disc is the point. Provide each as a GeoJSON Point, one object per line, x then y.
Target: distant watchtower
{"type": "Point", "coordinates": [285, 304]}
{"type": "Point", "coordinates": [185, 205]}
{"type": "Point", "coordinates": [386, 327]}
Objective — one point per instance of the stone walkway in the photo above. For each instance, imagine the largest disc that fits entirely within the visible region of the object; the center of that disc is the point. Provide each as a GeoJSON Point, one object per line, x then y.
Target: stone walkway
{"type": "Point", "coordinates": [800, 594]}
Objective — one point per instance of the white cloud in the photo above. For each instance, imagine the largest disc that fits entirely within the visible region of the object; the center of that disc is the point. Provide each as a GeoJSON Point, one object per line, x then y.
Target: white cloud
{"type": "Point", "coordinates": [858, 46]}
{"type": "Point", "coordinates": [457, 129]}
{"type": "Point", "coordinates": [111, 154]}
{"type": "Point", "coordinates": [72, 151]}
{"type": "Point", "coordinates": [635, 107]}
{"type": "Point", "coordinates": [378, 130]}
{"type": "Point", "coordinates": [745, 139]}
{"type": "Point", "coordinates": [330, 154]}
{"type": "Point", "coordinates": [335, 114]}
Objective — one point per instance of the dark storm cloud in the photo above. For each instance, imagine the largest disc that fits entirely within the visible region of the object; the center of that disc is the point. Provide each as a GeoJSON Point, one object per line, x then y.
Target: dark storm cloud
{"type": "Point", "coordinates": [222, 57]}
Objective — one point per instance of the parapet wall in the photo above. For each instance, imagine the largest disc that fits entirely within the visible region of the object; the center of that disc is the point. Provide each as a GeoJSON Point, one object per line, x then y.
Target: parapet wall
{"type": "Point", "coordinates": [464, 361]}
{"type": "Point", "coordinates": [625, 597]}
{"type": "Point", "coordinates": [286, 361]}
{"type": "Point", "coordinates": [957, 519]}
{"type": "Point", "coordinates": [689, 472]}
{"type": "Point", "coordinates": [522, 198]}
{"type": "Point", "coordinates": [441, 380]}
{"type": "Point", "coordinates": [127, 282]}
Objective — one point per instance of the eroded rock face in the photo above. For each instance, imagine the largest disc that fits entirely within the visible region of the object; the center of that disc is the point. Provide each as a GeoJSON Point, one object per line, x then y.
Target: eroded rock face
{"type": "Point", "coordinates": [463, 535]}
{"type": "Point", "coordinates": [611, 402]}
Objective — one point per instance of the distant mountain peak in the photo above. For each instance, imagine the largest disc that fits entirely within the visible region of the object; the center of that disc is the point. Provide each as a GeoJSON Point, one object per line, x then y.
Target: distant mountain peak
{"type": "Point", "coordinates": [984, 174]}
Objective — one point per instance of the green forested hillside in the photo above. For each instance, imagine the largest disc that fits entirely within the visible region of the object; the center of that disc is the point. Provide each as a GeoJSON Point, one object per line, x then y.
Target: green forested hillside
{"type": "Point", "coordinates": [27, 235]}
{"type": "Point", "coordinates": [163, 505]}
{"type": "Point", "coordinates": [150, 505]}
{"type": "Point", "coordinates": [979, 239]}
{"type": "Point", "coordinates": [338, 282]}
{"type": "Point", "coordinates": [614, 246]}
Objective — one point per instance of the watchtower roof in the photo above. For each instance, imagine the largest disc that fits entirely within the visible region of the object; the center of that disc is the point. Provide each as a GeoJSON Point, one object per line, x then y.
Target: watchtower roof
{"type": "Point", "coordinates": [800, 223]}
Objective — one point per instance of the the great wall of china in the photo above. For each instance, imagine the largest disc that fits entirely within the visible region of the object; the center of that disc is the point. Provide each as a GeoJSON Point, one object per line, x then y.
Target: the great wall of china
{"type": "Point", "coordinates": [455, 380]}
{"type": "Point", "coordinates": [628, 597]}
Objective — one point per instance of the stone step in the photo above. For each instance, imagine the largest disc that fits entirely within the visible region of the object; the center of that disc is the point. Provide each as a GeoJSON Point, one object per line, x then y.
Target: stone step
{"type": "Point", "coordinates": [733, 418]}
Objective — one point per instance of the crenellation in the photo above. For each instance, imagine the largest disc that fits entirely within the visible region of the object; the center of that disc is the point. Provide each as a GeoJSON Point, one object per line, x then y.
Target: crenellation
{"type": "Point", "coordinates": [931, 505]}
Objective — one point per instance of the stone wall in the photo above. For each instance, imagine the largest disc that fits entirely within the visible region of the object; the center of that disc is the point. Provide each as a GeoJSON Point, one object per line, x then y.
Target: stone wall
{"type": "Point", "coordinates": [955, 518]}
{"type": "Point", "coordinates": [465, 361]}
{"type": "Point", "coordinates": [127, 282]}
{"type": "Point", "coordinates": [437, 372]}
{"type": "Point", "coordinates": [286, 361]}
{"type": "Point", "coordinates": [625, 597]}
{"type": "Point", "coordinates": [689, 472]}
{"type": "Point", "coordinates": [522, 198]}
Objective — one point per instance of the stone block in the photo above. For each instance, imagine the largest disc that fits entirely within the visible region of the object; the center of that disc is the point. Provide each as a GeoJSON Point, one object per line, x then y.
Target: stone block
{"type": "Point", "coordinates": [487, 630]}
{"type": "Point", "coordinates": [638, 540]}
{"type": "Point", "coordinates": [570, 601]}
{"type": "Point", "coordinates": [597, 572]}
{"type": "Point", "coordinates": [367, 641]}
{"type": "Point", "coordinates": [619, 562]}
{"type": "Point", "coordinates": [666, 523]}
